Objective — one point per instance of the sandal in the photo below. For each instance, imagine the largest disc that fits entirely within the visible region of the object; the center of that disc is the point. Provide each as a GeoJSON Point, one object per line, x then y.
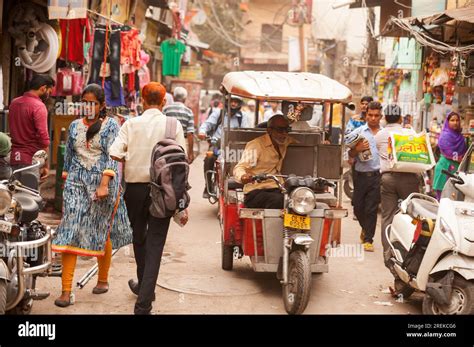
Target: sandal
{"type": "Point", "coordinates": [65, 303]}
{"type": "Point", "coordinates": [97, 290]}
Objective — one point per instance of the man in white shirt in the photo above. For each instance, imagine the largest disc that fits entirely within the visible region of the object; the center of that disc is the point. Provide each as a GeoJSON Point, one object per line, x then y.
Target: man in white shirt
{"type": "Point", "coordinates": [134, 146]}
{"type": "Point", "coordinates": [274, 107]}
{"type": "Point", "coordinates": [395, 186]}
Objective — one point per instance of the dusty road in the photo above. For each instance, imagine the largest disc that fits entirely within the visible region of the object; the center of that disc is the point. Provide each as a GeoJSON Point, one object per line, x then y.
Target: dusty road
{"type": "Point", "coordinates": [191, 280]}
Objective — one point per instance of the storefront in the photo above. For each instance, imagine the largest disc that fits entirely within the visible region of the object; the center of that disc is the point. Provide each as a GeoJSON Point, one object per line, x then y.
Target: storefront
{"type": "Point", "coordinates": [445, 80]}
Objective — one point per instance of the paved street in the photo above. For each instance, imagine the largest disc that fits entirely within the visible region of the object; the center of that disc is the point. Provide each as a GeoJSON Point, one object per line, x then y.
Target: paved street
{"type": "Point", "coordinates": [192, 281]}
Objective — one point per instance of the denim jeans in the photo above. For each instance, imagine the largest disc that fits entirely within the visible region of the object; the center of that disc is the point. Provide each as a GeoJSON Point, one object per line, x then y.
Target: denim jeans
{"type": "Point", "coordinates": [113, 58]}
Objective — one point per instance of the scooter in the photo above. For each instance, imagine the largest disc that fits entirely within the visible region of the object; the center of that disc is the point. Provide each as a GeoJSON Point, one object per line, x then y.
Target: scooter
{"type": "Point", "coordinates": [25, 243]}
{"type": "Point", "coordinates": [432, 249]}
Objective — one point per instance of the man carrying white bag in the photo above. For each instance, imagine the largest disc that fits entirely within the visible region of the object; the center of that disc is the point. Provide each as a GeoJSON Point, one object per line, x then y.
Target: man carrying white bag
{"type": "Point", "coordinates": [404, 155]}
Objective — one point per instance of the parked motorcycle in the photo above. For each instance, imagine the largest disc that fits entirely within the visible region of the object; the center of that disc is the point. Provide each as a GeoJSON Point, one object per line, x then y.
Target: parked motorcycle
{"type": "Point", "coordinates": [211, 178]}
{"type": "Point", "coordinates": [348, 183]}
{"type": "Point", "coordinates": [432, 249]}
{"type": "Point", "coordinates": [25, 243]}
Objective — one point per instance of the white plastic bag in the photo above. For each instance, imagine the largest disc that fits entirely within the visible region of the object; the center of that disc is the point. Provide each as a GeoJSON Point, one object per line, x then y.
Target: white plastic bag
{"type": "Point", "coordinates": [181, 218]}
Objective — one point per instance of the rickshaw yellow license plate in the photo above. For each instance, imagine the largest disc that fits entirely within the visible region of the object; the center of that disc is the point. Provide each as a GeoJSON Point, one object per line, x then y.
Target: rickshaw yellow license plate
{"type": "Point", "coordinates": [296, 222]}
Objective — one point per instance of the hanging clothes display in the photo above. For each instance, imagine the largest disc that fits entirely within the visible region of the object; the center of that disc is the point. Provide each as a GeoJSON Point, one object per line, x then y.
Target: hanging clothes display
{"type": "Point", "coordinates": [172, 51]}
{"type": "Point", "coordinates": [130, 50]}
{"type": "Point", "coordinates": [105, 65]}
{"type": "Point", "coordinates": [110, 99]}
{"type": "Point", "coordinates": [144, 72]}
{"type": "Point", "coordinates": [68, 82]}
{"type": "Point", "coordinates": [74, 32]}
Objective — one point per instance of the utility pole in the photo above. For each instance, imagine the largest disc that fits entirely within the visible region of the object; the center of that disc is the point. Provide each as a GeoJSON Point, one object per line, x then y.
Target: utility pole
{"type": "Point", "coordinates": [372, 51]}
{"type": "Point", "coordinates": [298, 15]}
{"type": "Point", "coordinates": [302, 48]}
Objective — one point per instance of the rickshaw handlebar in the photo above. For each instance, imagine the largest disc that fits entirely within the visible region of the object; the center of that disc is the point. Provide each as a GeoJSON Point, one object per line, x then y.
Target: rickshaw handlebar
{"type": "Point", "coordinates": [263, 177]}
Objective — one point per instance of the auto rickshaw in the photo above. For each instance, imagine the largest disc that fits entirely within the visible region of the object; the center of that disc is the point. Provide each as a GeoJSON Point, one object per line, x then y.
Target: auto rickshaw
{"type": "Point", "coordinates": [292, 242]}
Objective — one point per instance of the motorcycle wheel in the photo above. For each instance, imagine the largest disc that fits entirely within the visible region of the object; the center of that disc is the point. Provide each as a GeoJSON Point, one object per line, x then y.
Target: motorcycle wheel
{"type": "Point", "coordinates": [296, 293]}
{"type": "Point", "coordinates": [227, 257]}
{"type": "Point", "coordinates": [3, 296]}
{"type": "Point", "coordinates": [348, 186]}
{"type": "Point", "coordinates": [462, 300]}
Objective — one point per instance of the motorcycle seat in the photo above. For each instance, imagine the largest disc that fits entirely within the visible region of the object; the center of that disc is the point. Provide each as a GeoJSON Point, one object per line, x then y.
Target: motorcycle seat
{"type": "Point", "coordinates": [29, 207]}
{"type": "Point", "coordinates": [232, 184]}
{"type": "Point", "coordinates": [419, 208]}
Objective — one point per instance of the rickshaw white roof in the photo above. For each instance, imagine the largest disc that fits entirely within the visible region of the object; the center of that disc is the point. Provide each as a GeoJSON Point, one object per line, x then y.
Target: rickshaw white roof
{"type": "Point", "coordinates": [291, 86]}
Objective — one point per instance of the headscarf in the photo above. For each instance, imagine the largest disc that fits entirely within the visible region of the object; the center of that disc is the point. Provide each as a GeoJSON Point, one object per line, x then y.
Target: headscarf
{"type": "Point", "coordinates": [451, 142]}
{"type": "Point", "coordinates": [5, 144]}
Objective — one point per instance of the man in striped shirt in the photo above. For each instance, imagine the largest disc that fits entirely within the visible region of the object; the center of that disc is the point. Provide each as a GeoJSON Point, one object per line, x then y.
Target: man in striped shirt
{"type": "Point", "coordinates": [185, 116]}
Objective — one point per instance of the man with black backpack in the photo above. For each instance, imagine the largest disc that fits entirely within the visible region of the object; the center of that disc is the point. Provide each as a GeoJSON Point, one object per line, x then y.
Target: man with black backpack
{"type": "Point", "coordinates": [213, 127]}
{"type": "Point", "coordinates": [156, 171]}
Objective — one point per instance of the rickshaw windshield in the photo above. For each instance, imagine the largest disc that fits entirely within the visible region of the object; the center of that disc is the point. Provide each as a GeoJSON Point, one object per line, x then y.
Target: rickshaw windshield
{"type": "Point", "coordinates": [315, 90]}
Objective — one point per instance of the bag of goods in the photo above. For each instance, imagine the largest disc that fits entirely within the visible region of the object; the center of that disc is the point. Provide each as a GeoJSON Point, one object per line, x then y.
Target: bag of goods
{"type": "Point", "coordinates": [410, 152]}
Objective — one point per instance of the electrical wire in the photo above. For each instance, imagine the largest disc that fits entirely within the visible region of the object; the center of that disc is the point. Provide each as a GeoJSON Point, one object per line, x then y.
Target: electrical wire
{"type": "Point", "coordinates": [426, 40]}
{"type": "Point", "coordinates": [220, 30]}
{"type": "Point", "coordinates": [213, 9]}
{"type": "Point", "coordinates": [402, 5]}
{"type": "Point", "coordinates": [216, 29]}
{"type": "Point", "coordinates": [369, 24]}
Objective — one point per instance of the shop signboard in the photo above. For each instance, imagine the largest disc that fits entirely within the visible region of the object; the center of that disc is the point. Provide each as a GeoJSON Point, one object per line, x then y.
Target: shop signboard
{"type": "Point", "coordinates": [67, 9]}
{"type": "Point", "coordinates": [118, 10]}
{"type": "Point", "coordinates": [191, 73]}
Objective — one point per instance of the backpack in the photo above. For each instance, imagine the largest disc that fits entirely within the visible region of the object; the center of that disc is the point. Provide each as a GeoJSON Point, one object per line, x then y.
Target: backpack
{"type": "Point", "coordinates": [169, 171]}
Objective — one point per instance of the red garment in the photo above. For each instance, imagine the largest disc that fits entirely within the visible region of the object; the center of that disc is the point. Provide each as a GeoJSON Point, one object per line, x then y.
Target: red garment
{"type": "Point", "coordinates": [130, 50]}
{"type": "Point", "coordinates": [75, 40]}
{"type": "Point", "coordinates": [68, 82]}
{"type": "Point", "coordinates": [131, 82]}
{"type": "Point", "coordinates": [28, 120]}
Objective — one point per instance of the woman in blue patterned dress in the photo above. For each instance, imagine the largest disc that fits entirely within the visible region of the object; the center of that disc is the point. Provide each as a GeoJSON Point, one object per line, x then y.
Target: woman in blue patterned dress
{"type": "Point", "coordinates": [95, 219]}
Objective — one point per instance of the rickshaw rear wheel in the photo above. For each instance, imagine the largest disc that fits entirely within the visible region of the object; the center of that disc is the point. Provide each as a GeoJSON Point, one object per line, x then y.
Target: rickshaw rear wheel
{"type": "Point", "coordinates": [3, 295]}
{"type": "Point", "coordinates": [227, 257]}
{"type": "Point", "coordinates": [296, 293]}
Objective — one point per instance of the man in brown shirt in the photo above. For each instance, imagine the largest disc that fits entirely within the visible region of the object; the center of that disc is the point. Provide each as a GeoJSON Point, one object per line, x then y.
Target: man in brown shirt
{"type": "Point", "coordinates": [264, 155]}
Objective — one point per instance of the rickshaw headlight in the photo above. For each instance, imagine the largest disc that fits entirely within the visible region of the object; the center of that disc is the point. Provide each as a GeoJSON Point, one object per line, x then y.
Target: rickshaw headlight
{"type": "Point", "coordinates": [5, 199]}
{"type": "Point", "coordinates": [302, 200]}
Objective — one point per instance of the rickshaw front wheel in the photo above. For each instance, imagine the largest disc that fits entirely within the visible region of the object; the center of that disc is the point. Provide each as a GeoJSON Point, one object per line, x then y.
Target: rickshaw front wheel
{"type": "Point", "coordinates": [227, 257]}
{"type": "Point", "coordinates": [296, 293]}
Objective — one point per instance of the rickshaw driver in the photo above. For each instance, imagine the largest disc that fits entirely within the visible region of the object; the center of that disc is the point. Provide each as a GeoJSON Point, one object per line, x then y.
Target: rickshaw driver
{"type": "Point", "coordinates": [264, 155]}
{"type": "Point", "coordinates": [213, 126]}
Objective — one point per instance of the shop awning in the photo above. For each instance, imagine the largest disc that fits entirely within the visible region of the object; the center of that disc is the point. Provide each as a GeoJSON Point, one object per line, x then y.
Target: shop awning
{"type": "Point", "coordinates": [448, 31]}
{"type": "Point", "coordinates": [463, 14]}
{"type": "Point", "coordinates": [197, 44]}
{"type": "Point", "coordinates": [157, 3]}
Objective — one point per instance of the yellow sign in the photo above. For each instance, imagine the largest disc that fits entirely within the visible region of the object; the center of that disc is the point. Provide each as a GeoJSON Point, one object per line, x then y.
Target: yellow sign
{"type": "Point", "coordinates": [294, 221]}
{"type": "Point", "coordinates": [191, 73]}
